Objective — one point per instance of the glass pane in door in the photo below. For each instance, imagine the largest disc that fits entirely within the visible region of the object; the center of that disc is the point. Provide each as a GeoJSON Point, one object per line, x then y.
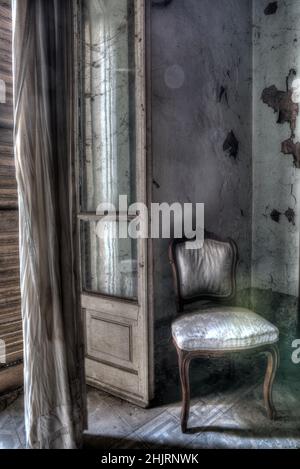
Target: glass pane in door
{"type": "Point", "coordinates": [108, 160]}
{"type": "Point", "coordinates": [109, 264]}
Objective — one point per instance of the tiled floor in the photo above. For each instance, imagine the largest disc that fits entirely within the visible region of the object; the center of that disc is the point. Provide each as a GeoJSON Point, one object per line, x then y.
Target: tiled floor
{"type": "Point", "coordinates": [232, 417]}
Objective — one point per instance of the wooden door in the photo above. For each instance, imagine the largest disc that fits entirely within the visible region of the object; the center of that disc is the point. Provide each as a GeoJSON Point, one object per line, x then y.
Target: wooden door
{"type": "Point", "coordinates": [113, 162]}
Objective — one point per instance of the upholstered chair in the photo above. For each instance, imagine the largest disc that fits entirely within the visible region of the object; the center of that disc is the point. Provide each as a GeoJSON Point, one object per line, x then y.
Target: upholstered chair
{"type": "Point", "coordinates": [214, 328]}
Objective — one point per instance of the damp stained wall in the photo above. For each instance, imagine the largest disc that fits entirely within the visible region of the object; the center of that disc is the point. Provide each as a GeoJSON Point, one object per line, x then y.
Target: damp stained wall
{"type": "Point", "coordinates": [201, 93]}
{"type": "Point", "coordinates": [276, 182]}
{"type": "Point", "coordinates": [211, 63]}
{"type": "Point", "coordinates": [201, 132]}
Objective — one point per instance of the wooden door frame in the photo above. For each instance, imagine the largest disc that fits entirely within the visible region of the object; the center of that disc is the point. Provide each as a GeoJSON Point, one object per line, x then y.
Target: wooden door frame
{"type": "Point", "coordinates": [149, 186]}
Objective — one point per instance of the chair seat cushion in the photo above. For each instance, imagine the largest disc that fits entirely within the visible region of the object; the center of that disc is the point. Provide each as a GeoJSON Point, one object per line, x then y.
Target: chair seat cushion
{"type": "Point", "coordinates": [221, 328]}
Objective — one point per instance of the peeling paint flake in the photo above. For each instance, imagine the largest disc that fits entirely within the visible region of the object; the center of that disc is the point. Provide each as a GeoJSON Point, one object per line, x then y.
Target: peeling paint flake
{"type": "Point", "coordinates": [271, 8]}
{"type": "Point", "coordinates": [231, 145]}
{"type": "Point", "coordinates": [290, 215]}
{"type": "Point", "coordinates": [288, 147]}
{"type": "Point", "coordinates": [282, 104]}
{"type": "Point", "coordinates": [275, 215]}
{"type": "Point", "coordinates": [285, 104]}
{"type": "Point", "coordinates": [223, 94]}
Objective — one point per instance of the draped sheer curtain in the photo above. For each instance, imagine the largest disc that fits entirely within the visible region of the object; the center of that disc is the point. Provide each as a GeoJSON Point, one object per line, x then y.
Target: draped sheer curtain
{"type": "Point", "coordinates": [44, 151]}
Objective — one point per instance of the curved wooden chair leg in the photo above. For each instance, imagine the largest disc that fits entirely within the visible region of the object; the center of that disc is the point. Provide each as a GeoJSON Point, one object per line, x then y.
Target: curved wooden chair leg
{"type": "Point", "coordinates": [184, 365]}
{"type": "Point", "coordinates": [273, 362]}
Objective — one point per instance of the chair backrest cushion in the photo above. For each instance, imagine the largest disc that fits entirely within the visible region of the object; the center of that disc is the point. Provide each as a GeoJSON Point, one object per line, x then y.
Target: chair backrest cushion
{"type": "Point", "coordinates": [208, 271]}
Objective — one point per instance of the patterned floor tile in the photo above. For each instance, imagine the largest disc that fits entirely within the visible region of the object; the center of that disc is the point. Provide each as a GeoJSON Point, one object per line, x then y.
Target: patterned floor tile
{"type": "Point", "coordinates": [9, 440]}
{"type": "Point", "coordinates": [104, 425]}
{"type": "Point", "coordinates": [246, 425]}
{"type": "Point", "coordinates": [16, 411]}
{"type": "Point", "coordinates": [164, 432]}
{"type": "Point", "coordinates": [228, 415]}
{"type": "Point", "coordinates": [134, 441]}
{"type": "Point", "coordinates": [8, 433]}
{"type": "Point", "coordinates": [131, 414]}
{"type": "Point", "coordinates": [214, 405]}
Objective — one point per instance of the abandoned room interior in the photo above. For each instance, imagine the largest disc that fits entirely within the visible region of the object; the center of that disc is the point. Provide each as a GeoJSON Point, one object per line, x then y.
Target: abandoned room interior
{"type": "Point", "coordinates": [112, 335]}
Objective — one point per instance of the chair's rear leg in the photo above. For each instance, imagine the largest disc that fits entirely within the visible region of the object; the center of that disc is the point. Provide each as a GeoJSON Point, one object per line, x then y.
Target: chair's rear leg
{"type": "Point", "coordinates": [273, 361]}
{"type": "Point", "coordinates": [184, 365]}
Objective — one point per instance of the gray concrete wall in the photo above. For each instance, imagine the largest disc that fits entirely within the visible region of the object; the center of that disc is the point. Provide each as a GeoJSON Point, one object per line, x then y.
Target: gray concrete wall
{"type": "Point", "coordinates": [201, 92]}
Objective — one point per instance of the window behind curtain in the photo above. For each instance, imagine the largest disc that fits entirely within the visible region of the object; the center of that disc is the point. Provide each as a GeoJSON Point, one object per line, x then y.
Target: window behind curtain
{"type": "Point", "coordinates": [10, 304]}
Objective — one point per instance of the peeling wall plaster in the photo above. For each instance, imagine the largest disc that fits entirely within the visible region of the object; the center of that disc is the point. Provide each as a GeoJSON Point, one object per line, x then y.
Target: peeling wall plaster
{"type": "Point", "coordinates": [287, 110]}
{"type": "Point", "coordinates": [271, 8]}
{"type": "Point", "coordinates": [276, 182]}
{"type": "Point", "coordinates": [282, 105]}
{"type": "Point", "coordinates": [231, 145]}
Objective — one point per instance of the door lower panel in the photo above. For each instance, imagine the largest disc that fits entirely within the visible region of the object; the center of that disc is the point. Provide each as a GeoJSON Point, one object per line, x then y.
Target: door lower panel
{"type": "Point", "coordinates": [121, 383]}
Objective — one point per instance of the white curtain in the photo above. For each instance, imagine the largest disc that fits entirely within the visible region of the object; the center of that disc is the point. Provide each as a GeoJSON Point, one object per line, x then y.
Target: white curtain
{"type": "Point", "coordinates": [55, 411]}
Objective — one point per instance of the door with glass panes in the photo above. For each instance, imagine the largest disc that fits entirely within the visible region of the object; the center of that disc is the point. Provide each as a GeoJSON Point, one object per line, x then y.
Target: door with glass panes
{"type": "Point", "coordinates": [113, 163]}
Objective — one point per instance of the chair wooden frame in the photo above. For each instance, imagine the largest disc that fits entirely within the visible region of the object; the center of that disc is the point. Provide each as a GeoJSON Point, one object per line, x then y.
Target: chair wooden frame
{"type": "Point", "coordinates": [185, 357]}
